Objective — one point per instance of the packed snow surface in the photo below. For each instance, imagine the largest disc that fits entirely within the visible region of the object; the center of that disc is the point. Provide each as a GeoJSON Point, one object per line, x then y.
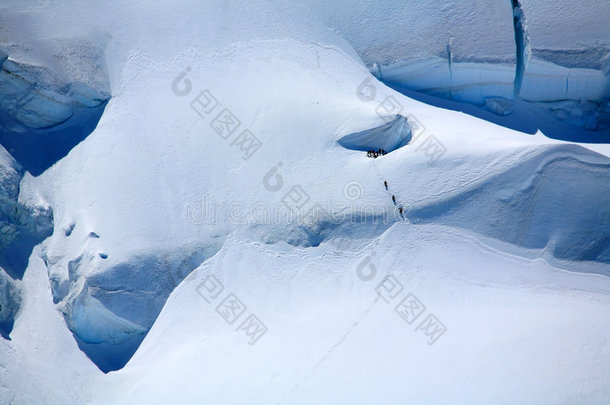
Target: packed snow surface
{"type": "Point", "coordinates": [220, 235]}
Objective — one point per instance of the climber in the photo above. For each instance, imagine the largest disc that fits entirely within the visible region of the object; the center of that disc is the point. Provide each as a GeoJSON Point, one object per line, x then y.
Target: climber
{"type": "Point", "coordinates": [394, 200]}
{"type": "Point", "coordinates": [385, 183]}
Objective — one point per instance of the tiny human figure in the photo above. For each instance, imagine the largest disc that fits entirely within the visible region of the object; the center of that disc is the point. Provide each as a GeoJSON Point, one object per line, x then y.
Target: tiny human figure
{"type": "Point", "coordinates": [400, 211]}
{"type": "Point", "coordinates": [385, 183]}
{"type": "Point", "coordinates": [394, 200]}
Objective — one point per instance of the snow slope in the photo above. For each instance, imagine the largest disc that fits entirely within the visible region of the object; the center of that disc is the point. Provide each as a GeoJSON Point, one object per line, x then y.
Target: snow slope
{"type": "Point", "coordinates": [332, 338]}
{"type": "Point", "coordinates": [301, 230]}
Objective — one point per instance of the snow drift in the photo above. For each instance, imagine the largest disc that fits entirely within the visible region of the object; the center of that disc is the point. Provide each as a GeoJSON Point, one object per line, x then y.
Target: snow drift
{"type": "Point", "coordinates": [390, 136]}
{"type": "Point", "coordinates": [529, 205]}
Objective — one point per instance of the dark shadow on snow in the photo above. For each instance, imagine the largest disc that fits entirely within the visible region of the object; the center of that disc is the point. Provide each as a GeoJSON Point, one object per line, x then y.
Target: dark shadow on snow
{"type": "Point", "coordinates": [525, 117]}
{"type": "Point", "coordinates": [38, 149]}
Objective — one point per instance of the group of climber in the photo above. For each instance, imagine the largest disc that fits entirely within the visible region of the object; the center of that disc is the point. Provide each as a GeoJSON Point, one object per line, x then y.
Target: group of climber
{"type": "Point", "coordinates": [375, 153]}
{"type": "Point", "coordinates": [400, 210]}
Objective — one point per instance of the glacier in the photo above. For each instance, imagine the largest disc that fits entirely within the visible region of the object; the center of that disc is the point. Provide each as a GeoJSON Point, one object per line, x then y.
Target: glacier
{"type": "Point", "coordinates": [147, 148]}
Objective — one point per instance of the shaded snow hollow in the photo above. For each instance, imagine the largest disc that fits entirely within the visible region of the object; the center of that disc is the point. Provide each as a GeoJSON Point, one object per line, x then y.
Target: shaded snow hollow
{"type": "Point", "coordinates": [390, 136]}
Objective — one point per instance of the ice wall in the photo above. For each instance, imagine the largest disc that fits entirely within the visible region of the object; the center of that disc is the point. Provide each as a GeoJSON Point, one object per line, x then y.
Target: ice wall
{"type": "Point", "coordinates": [463, 50]}
{"type": "Point", "coordinates": [553, 55]}
{"type": "Point", "coordinates": [53, 90]}
{"type": "Point", "coordinates": [21, 228]}
{"type": "Point", "coordinates": [110, 304]}
{"type": "Point", "coordinates": [567, 61]}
